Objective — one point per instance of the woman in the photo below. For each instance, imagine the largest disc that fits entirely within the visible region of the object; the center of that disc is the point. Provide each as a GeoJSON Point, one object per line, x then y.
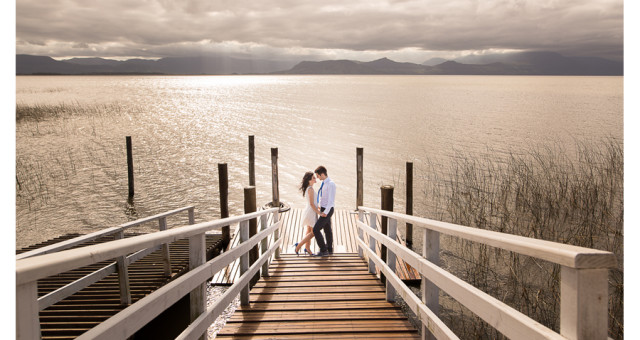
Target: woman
{"type": "Point", "coordinates": [310, 213]}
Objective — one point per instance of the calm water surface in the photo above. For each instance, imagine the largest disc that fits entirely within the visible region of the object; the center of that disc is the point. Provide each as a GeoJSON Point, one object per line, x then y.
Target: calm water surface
{"type": "Point", "coordinates": [72, 172]}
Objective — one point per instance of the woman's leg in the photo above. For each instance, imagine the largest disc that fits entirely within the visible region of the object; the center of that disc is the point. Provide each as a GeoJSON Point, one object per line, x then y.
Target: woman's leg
{"type": "Point", "coordinates": [306, 239]}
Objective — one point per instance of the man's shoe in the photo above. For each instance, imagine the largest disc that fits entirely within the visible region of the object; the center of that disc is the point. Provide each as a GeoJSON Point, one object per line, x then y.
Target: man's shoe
{"type": "Point", "coordinates": [323, 253]}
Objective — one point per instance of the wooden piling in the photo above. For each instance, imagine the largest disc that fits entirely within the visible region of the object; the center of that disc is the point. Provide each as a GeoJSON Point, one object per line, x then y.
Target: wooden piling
{"type": "Point", "coordinates": [223, 184]}
{"type": "Point", "coordinates": [359, 183]}
{"type": "Point", "coordinates": [130, 166]}
{"type": "Point", "coordinates": [275, 193]}
{"type": "Point", "coordinates": [274, 178]}
{"type": "Point", "coordinates": [386, 194]}
{"type": "Point", "coordinates": [409, 205]}
{"type": "Point", "coordinates": [249, 207]}
{"type": "Point", "coordinates": [252, 161]}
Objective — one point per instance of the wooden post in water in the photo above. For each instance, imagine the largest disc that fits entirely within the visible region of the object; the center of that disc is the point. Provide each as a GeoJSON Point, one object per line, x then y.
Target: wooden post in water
{"type": "Point", "coordinates": [276, 194]}
{"type": "Point", "coordinates": [252, 161]}
{"type": "Point", "coordinates": [223, 185]}
{"type": "Point", "coordinates": [359, 175]}
{"type": "Point", "coordinates": [409, 208]}
{"type": "Point", "coordinates": [249, 207]}
{"type": "Point", "coordinates": [130, 166]}
{"type": "Point", "coordinates": [386, 194]}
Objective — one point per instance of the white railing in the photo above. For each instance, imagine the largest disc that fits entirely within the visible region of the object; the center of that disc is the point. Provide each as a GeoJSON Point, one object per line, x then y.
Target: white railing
{"type": "Point", "coordinates": [583, 286]}
{"type": "Point", "coordinates": [121, 264]}
{"type": "Point", "coordinates": [128, 321]}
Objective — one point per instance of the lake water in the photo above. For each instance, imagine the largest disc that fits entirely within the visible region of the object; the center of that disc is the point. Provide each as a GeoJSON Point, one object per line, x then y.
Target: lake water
{"type": "Point", "coordinates": [72, 171]}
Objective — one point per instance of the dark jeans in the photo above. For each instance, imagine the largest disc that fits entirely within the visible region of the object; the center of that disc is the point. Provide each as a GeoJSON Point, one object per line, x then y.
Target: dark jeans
{"type": "Point", "coordinates": [324, 223]}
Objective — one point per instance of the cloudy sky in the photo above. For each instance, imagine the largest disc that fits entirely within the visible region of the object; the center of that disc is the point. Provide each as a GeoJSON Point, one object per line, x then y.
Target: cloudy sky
{"type": "Point", "coordinates": [403, 30]}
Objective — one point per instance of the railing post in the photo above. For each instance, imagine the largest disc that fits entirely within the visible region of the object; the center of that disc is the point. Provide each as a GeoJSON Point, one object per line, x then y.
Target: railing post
{"type": "Point", "coordinates": [244, 262]}
{"type": "Point", "coordinates": [386, 203]}
{"type": "Point", "coordinates": [264, 244]}
{"type": "Point", "coordinates": [27, 311]}
{"type": "Point", "coordinates": [123, 275]}
{"type": "Point", "coordinates": [430, 292]}
{"type": "Point", "coordinates": [223, 187]}
{"type": "Point", "coordinates": [166, 256]}
{"type": "Point", "coordinates": [192, 215]}
{"type": "Point", "coordinates": [359, 175]}
{"type": "Point", "coordinates": [391, 259]}
{"type": "Point", "coordinates": [130, 166]}
{"type": "Point", "coordinates": [372, 242]}
{"type": "Point", "coordinates": [249, 207]}
{"type": "Point", "coordinates": [252, 162]}
{"type": "Point", "coordinates": [584, 303]}
{"type": "Point", "coordinates": [360, 234]}
{"type": "Point", "coordinates": [276, 194]}
{"type": "Point", "coordinates": [409, 205]}
{"type": "Point", "coordinates": [198, 296]}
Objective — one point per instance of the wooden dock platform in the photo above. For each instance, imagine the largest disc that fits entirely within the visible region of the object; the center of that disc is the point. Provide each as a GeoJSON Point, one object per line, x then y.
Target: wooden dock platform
{"type": "Point", "coordinates": [344, 238]}
{"type": "Point", "coordinates": [82, 311]}
{"type": "Point", "coordinates": [333, 297]}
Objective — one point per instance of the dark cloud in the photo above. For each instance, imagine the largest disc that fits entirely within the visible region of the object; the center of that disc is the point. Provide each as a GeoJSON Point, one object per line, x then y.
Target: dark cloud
{"type": "Point", "coordinates": [166, 27]}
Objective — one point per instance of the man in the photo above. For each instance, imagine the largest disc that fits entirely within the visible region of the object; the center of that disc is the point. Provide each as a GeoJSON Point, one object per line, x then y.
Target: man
{"type": "Point", "coordinates": [326, 202]}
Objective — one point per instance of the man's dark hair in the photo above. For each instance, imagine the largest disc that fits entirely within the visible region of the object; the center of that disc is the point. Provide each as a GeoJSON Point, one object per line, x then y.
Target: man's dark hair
{"type": "Point", "coordinates": [321, 170]}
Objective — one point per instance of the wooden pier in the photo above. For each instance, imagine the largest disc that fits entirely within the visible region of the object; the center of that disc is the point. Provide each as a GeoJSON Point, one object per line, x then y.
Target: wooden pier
{"type": "Point", "coordinates": [332, 297]}
{"type": "Point", "coordinates": [306, 297]}
{"type": "Point", "coordinates": [344, 237]}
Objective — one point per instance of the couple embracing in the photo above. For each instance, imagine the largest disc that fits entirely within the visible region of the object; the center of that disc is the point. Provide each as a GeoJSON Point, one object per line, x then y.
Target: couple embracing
{"type": "Point", "coordinates": [317, 215]}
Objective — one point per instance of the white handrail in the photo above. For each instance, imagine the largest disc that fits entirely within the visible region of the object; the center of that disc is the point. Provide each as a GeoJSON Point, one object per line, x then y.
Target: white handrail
{"type": "Point", "coordinates": [563, 254]}
{"type": "Point", "coordinates": [92, 236]}
{"type": "Point", "coordinates": [123, 324]}
{"type": "Point", "coordinates": [583, 285]}
{"type": "Point", "coordinates": [34, 268]}
{"type": "Point", "coordinates": [505, 319]}
{"type": "Point", "coordinates": [29, 270]}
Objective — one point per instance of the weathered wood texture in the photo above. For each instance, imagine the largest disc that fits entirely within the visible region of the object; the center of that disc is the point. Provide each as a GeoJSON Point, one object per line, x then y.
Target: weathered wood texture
{"type": "Point", "coordinates": [344, 238]}
{"type": "Point", "coordinates": [84, 310]}
{"type": "Point", "coordinates": [307, 297]}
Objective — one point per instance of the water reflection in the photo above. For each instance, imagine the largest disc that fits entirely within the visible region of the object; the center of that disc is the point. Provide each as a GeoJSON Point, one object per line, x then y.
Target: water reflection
{"type": "Point", "coordinates": [130, 209]}
{"type": "Point", "coordinates": [72, 167]}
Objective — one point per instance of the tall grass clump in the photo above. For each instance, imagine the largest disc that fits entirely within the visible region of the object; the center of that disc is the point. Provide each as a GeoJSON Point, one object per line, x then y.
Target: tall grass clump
{"type": "Point", "coordinates": [41, 112]}
{"type": "Point", "coordinates": [547, 194]}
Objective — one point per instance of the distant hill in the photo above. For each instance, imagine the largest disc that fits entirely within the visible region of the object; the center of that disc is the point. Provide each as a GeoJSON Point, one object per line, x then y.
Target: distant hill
{"type": "Point", "coordinates": [526, 63]}
{"type": "Point", "coordinates": [28, 64]}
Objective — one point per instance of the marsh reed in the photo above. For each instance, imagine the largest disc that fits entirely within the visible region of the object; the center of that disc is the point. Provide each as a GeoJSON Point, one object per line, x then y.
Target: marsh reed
{"type": "Point", "coordinates": [549, 193]}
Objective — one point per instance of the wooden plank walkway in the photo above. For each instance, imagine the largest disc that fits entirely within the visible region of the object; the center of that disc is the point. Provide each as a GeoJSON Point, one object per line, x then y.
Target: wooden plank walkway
{"type": "Point", "coordinates": [92, 305]}
{"type": "Point", "coordinates": [344, 239]}
{"type": "Point", "coordinates": [331, 297]}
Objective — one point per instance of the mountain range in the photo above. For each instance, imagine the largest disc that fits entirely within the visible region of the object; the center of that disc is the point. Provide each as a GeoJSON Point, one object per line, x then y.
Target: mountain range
{"type": "Point", "coordinates": [523, 63]}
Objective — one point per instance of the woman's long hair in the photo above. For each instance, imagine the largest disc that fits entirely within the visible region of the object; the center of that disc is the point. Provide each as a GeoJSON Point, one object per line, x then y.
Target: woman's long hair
{"type": "Point", "coordinates": [305, 182]}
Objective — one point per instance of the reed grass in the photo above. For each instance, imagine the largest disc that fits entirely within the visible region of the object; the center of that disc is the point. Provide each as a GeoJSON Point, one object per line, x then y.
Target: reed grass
{"type": "Point", "coordinates": [572, 198]}
{"type": "Point", "coordinates": [40, 112]}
